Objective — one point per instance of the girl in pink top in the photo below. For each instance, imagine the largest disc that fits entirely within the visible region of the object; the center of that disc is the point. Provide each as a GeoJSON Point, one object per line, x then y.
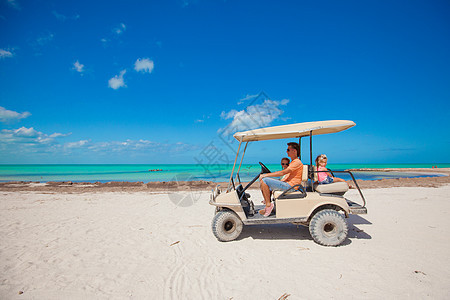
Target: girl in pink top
{"type": "Point", "coordinates": [325, 177]}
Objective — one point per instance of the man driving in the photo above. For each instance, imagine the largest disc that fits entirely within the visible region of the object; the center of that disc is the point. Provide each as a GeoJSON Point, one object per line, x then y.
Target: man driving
{"type": "Point", "coordinates": [294, 177]}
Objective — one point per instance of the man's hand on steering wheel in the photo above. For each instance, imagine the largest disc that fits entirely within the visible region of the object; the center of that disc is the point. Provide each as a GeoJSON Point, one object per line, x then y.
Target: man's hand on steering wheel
{"type": "Point", "coordinates": [261, 176]}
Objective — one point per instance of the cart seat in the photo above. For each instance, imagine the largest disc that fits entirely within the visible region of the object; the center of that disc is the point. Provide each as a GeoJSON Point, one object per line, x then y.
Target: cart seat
{"type": "Point", "coordinates": [331, 188]}
{"type": "Point", "coordinates": [277, 193]}
{"type": "Point", "coordinates": [294, 194]}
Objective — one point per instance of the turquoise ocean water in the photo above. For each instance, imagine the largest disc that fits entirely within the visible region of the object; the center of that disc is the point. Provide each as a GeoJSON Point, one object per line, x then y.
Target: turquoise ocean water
{"type": "Point", "coordinates": [171, 172]}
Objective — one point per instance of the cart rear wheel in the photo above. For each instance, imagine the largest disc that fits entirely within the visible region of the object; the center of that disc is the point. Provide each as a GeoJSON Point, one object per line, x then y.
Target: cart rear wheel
{"type": "Point", "coordinates": [226, 226]}
{"type": "Point", "coordinates": [328, 228]}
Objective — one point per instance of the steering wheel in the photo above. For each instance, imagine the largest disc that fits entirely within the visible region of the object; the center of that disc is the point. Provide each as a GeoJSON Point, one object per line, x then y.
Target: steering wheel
{"type": "Point", "coordinates": [264, 169]}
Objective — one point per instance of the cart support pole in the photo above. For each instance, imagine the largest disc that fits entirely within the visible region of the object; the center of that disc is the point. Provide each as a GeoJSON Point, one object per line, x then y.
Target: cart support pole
{"type": "Point", "coordinates": [300, 147]}
{"type": "Point", "coordinates": [242, 158]}
{"type": "Point", "coordinates": [234, 165]}
{"type": "Point", "coordinates": [311, 172]}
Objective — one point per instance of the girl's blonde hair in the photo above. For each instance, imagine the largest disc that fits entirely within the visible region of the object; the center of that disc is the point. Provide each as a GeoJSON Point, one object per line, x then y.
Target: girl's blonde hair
{"type": "Point", "coordinates": [320, 158]}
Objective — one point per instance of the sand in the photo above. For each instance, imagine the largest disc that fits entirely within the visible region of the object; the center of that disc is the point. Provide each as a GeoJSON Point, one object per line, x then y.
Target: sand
{"type": "Point", "coordinates": [141, 245]}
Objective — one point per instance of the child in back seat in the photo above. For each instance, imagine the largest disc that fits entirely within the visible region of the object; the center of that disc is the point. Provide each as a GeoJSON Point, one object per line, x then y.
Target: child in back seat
{"type": "Point", "coordinates": [325, 177]}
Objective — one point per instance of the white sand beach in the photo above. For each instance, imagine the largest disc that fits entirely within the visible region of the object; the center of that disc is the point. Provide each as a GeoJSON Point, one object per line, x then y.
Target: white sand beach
{"type": "Point", "coordinates": [140, 245]}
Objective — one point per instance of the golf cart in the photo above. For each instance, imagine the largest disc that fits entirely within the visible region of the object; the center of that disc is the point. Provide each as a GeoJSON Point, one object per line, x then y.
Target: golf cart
{"type": "Point", "coordinates": [323, 208]}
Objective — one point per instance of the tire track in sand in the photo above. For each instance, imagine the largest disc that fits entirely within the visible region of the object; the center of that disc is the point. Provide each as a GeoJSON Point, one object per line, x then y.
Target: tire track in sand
{"type": "Point", "coordinates": [189, 276]}
{"type": "Point", "coordinates": [175, 283]}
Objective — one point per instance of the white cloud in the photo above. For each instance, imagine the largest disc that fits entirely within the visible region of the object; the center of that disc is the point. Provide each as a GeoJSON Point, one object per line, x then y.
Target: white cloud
{"type": "Point", "coordinates": [79, 144]}
{"type": "Point", "coordinates": [140, 146]}
{"type": "Point", "coordinates": [60, 17]}
{"type": "Point", "coordinates": [15, 143]}
{"type": "Point", "coordinates": [25, 132]}
{"type": "Point", "coordinates": [248, 97]}
{"type": "Point", "coordinates": [129, 146]}
{"type": "Point", "coordinates": [63, 18]}
{"type": "Point", "coordinates": [78, 67]}
{"type": "Point", "coordinates": [144, 65]}
{"type": "Point", "coordinates": [41, 42]}
{"type": "Point", "coordinates": [203, 119]}
{"type": "Point", "coordinates": [284, 102]}
{"type": "Point", "coordinates": [120, 29]}
{"type": "Point", "coordinates": [114, 35]}
{"type": "Point", "coordinates": [45, 39]}
{"type": "Point", "coordinates": [25, 135]}
{"type": "Point", "coordinates": [254, 116]}
{"type": "Point", "coordinates": [13, 4]}
{"type": "Point", "coordinates": [7, 116]}
{"type": "Point", "coordinates": [228, 115]}
{"type": "Point", "coordinates": [5, 53]}
{"type": "Point", "coordinates": [117, 81]}
{"type": "Point", "coordinates": [57, 135]}
{"type": "Point", "coordinates": [28, 141]}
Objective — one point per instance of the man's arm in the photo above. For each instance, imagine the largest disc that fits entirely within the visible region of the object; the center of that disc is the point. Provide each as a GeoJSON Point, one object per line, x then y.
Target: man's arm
{"type": "Point", "coordinates": [276, 174]}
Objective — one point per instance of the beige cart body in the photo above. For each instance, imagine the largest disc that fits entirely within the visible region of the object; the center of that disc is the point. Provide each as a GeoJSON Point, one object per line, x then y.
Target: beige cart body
{"type": "Point", "coordinates": [322, 206]}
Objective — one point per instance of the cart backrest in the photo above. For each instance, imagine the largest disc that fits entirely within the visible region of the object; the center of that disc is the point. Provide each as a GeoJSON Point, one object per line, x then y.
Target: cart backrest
{"type": "Point", "coordinates": [305, 173]}
{"type": "Point", "coordinates": [316, 177]}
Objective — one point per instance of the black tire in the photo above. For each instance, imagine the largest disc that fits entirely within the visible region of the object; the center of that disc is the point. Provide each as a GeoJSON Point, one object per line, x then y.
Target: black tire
{"type": "Point", "coordinates": [226, 226]}
{"type": "Point", "coordinates": [328, 228]}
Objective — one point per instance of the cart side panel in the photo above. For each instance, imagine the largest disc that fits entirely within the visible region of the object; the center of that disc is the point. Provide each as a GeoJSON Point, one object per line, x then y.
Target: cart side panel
{"type": "Point", "coordinates": [233, 199]}
{"type": "Point", "coordinates": [304, 207]}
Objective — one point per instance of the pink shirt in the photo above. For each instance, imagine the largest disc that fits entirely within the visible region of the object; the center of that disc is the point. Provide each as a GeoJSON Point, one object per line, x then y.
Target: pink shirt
{"type": "Point", "coordinates": [322, 175]}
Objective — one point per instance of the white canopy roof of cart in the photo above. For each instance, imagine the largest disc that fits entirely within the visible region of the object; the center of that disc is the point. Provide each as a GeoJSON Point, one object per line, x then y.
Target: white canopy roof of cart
{"type": "Point", "coordinates": [293, 130]}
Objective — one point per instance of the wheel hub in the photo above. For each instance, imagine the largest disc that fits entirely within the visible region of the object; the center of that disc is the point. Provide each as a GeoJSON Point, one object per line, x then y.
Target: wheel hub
{"type": "Point", "coordinates": [329, 229]}
{"type": "Point", "coordinates": [229, 226]}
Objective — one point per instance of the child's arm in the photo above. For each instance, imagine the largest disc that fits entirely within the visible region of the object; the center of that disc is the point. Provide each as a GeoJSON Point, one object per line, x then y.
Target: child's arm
{"type": "Point", "coordinates": [325, 169]}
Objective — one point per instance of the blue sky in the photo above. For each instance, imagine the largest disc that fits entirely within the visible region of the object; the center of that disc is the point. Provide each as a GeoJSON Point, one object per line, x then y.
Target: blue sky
{"type": "Point", "coordinates": [155, 81]}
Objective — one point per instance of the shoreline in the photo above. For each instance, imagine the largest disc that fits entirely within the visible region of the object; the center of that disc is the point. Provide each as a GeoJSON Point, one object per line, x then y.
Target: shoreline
{"type": "Point", "coordinates": [171, 186]}
{"type": "Point", "coordinates": [443, 171]}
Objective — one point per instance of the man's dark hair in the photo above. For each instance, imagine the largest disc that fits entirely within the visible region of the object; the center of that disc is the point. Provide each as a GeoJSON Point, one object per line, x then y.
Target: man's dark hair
{"type": "Point", "coordinates": [295, 146]}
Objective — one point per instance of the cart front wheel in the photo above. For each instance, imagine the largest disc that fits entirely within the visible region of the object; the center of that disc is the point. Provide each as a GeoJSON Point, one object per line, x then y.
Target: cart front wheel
{"type": "Point", "coordinates": [328, 228]}
{"type": "Point", "coordinates": [226, 226]}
